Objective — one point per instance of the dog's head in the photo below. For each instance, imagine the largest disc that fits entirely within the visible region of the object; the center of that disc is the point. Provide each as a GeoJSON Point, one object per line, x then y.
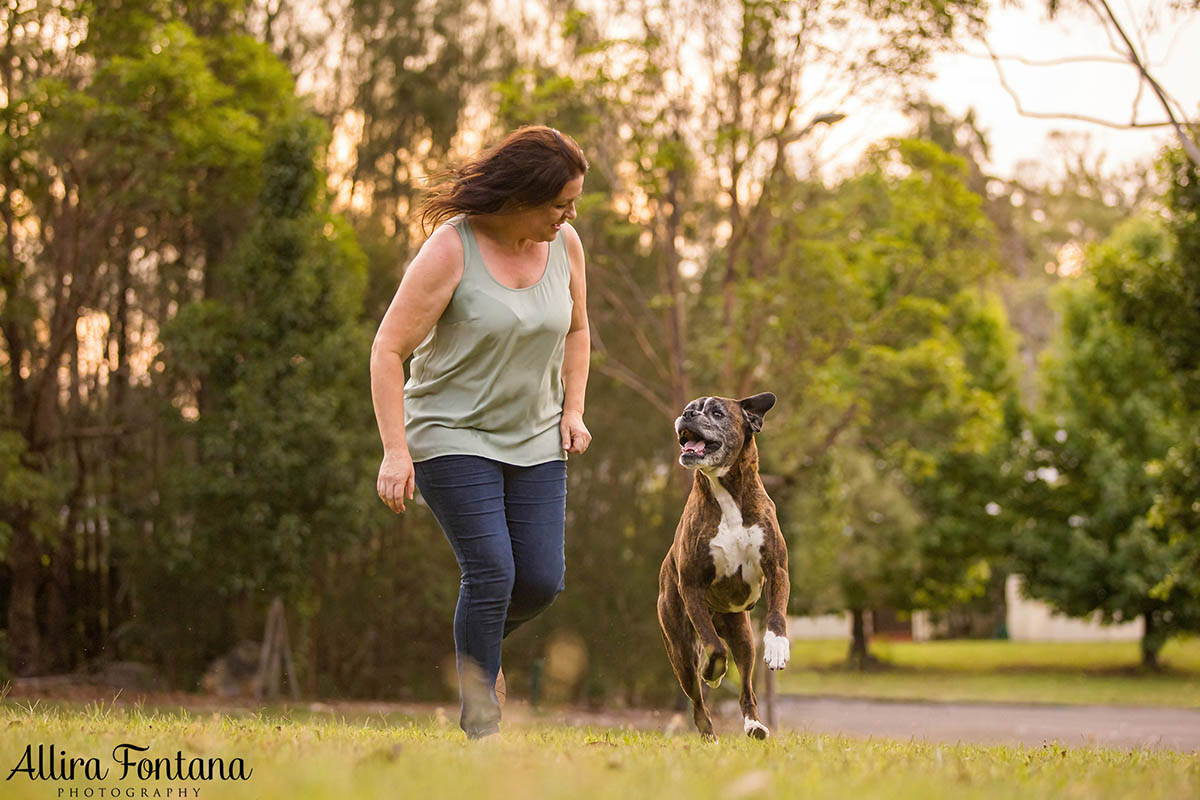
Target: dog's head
{"type": "Point", "coordinates": [713, 430]}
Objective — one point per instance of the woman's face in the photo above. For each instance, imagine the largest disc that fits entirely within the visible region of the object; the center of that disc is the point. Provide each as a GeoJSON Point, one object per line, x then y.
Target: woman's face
{"type": "Point", "coordinates": [545, 221]}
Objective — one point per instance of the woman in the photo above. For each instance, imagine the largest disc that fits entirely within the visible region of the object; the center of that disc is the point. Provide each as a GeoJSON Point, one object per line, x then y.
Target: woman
{"type": "Point", "coordinates": [493, 311]}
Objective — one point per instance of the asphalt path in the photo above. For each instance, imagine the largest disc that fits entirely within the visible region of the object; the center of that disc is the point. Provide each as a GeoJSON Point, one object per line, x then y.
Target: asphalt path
{"type": "Point", "coordinates": [991, 723]}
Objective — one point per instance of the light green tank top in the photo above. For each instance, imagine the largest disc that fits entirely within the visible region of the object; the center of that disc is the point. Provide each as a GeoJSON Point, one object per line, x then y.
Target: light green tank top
{"type": "Point", "coordinates": [487, 380]}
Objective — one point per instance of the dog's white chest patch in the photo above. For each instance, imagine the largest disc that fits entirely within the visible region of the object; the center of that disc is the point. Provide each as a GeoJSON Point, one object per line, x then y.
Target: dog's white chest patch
{"type": "Point", "coordinates": [736, 544]}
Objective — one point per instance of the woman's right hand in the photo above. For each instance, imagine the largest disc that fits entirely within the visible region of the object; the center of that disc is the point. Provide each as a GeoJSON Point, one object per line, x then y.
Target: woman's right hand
{"type": "Point", "coordinates": [396, 479]}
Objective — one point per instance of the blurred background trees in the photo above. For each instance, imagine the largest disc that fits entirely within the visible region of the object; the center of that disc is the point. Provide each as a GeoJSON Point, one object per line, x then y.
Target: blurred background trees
{"type": "Point", "coordinates": [1111, 502]}
{"type": "Point", "coordinates": [206, 207]}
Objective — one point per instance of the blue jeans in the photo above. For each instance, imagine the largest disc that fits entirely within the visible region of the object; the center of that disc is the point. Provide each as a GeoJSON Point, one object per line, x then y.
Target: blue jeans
{"type": "Point", "coordinates": [505, 525]}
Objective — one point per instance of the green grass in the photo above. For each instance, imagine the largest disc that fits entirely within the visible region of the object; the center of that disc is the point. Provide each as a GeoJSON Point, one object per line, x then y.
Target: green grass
{"type": "Point", "coordinates": [1000, 671]}
{"type": "Point", "coordinates": [316, 756]}
{"type": "Point", "coordinates": [980, 655]}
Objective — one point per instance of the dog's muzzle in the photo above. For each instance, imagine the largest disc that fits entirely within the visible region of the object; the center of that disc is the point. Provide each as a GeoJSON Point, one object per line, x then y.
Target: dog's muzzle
{"type": "Point", "coordinates": [694, 445]}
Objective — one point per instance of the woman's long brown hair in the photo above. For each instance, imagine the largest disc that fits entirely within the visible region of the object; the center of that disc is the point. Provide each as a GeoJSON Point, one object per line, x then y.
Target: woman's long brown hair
{"type": "Point", "coordinates": [529, 168]}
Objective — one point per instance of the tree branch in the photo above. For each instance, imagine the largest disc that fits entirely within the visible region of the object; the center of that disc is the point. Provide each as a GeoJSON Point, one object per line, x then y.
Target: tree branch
{"type": "Point", "coordinates": [1050, 62]}
{"type": "Point", "coordinates": [1133, 123]}
{"type": "Point", "coordinates": [832, 435]}
{"type": "Point", "coordinates": [637, 330]}
{"type": "Point", "coordinates": [1189, 145]}
{"type": "Point", "coordinates": [627, 377]}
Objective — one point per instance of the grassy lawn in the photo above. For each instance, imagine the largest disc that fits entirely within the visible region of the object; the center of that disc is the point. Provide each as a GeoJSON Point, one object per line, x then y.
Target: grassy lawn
{"type": "Point", "coordinates": [318, 756]}
{"type": "Point", "coordinates": [1000, 671]}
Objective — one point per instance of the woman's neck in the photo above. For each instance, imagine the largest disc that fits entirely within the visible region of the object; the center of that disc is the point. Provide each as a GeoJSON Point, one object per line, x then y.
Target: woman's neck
{"type": "Point", "coordinates": [500, 234]}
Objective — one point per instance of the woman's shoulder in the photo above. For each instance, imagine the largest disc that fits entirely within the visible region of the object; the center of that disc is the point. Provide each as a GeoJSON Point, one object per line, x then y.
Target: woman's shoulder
{"type": "Point", "coordinates": [570, 235]}
{"type": "Point", "coordinates": [442, 252]}
{"type": "Point", "coordinates": [573, 245]}
{"type": "Point", "coordinates": [446, 239]}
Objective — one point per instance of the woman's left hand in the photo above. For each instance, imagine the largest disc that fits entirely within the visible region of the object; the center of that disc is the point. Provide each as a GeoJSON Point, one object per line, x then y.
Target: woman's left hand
{"type": "Point", "coordinates": [575, 436]}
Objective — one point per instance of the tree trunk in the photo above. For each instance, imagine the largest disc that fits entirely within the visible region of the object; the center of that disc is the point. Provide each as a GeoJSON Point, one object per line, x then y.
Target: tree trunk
{"type": "Point", "coordinates": [857, 657]}
{"type": "Point", "coordinates": [24, 639]}
{"type": "Point", "coordinates": [61, 608]}
{"type": "Point", "coordinates": [1152, 642]}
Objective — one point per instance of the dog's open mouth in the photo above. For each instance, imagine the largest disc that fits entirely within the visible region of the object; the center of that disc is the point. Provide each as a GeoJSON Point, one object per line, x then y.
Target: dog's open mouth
{"type": "Point", "coordinates": [691, 443]}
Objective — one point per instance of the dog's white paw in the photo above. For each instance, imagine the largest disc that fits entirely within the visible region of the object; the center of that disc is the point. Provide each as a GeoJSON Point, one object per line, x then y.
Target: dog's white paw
{"type": "Point", "coordinates": [755, 729]}
{"type": "Point", "coordinates": [776, 650]}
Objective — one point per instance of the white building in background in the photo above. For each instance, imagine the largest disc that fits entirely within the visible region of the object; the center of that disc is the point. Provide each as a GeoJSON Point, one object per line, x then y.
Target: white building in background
{"type": "Point", "coordinates": [1027, 621]}
{"type": "Point", "coordinates": [1034, 621]}
{"type": "Point", "coordinates": [824, 626]}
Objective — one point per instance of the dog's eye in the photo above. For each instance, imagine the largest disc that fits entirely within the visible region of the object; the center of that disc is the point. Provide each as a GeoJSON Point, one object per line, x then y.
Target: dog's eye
{"type": "Point", "coordinates": [718, 413]}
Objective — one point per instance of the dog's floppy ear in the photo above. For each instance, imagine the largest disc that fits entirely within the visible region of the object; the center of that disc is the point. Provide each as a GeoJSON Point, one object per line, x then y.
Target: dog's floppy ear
{"type": "Point", "coordinates": [756, 407]}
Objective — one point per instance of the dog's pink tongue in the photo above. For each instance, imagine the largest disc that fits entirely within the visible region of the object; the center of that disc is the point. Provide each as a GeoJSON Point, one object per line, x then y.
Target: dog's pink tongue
{"type": "Point", "coordinates": [693, 447]}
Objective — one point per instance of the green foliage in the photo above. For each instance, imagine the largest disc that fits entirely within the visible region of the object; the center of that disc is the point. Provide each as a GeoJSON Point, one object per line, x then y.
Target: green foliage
{"type": "Point", "coordinates": [130, 163]}
{"type": "Point", "coordinates": [1154, 288]}
{"type": "Point", "coordinates": [27, 493]}
{"type": "Point", "coordinates": [275, 437]}
{"type": "Point", "coordinates": [903, 372]}
{"type": "Point", "coordinates": [1115, 425]}
{"type": "Point", "coordinates": [835, 299]}
{"type": "Point", "coordinates": [409, 71]}
{"type": "Point", "coordinates": [280, 364]}
{"type": "Point", "coordinates": [860, 308]}
{"type": "Point", "coordinates": [1154, 282]}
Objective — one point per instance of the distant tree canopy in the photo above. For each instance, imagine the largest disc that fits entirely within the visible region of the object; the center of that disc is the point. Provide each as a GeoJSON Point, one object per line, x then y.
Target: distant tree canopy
{"type": "Point", "coordinates": [895, 511]}
{"type": "Point", "coordinates": [1111, 499]}
{"type": "Point", "coordinates": [134, 158]}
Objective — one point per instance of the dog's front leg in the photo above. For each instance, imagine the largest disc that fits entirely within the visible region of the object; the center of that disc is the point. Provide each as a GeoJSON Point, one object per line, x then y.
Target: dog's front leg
{"type": "Point", "coordinates": [776, 647]}
{"type": "Point", "coordinates": [714, 654]}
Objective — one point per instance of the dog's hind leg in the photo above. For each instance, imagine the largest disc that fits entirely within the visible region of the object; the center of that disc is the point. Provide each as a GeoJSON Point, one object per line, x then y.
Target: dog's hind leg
{"type": "Point", "coordinates": [735, 629]}
{"type": "Point", "coordinates": [680, 639]}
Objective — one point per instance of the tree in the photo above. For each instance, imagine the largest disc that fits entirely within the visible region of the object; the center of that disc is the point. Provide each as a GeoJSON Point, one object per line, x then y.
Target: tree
{"type": "Point", "coordinates": [399, 83]}
{"type": "Point", "coordinates": [129, 145]}
{"type": "Point", "coordinates": [1045, 216]}
{"type": "Point", "coordinates": [269, 477]}
{"type": "Point", "coordinates": [922, 381]}
{"type": "Point", "coordinates": [698, 112]}
{"type": "Point", "coordinates": [1161, 298]}
{"type": "Point", "coordinates": [674, 317]}
{"type": "Point", "coordinates": [1113, 412]}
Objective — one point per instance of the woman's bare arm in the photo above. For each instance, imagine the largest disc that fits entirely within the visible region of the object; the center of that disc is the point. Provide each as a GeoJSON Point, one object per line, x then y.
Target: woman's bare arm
{"type": "Point", "coordinates": [424, 292]}
{"type": "Point", "coordinates": [577, 354]}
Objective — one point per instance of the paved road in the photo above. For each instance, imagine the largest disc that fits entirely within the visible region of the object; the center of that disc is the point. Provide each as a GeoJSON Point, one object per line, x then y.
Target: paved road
{"type": "Point", "coordinates": [987, 723]}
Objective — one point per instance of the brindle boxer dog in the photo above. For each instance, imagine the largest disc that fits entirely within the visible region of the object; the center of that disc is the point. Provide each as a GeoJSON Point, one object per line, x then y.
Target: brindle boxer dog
{"type": "Point", "coordinates": [727, 546]}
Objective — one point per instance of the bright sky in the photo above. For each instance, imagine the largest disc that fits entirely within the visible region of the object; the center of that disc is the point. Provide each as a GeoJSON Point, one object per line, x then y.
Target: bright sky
{"type": "Point", "coordinates": [1092, 89]}
{"type": "Point", "coordinates": [969, 79]}
{"type": "Point", "coordinates": [1105, 87]}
